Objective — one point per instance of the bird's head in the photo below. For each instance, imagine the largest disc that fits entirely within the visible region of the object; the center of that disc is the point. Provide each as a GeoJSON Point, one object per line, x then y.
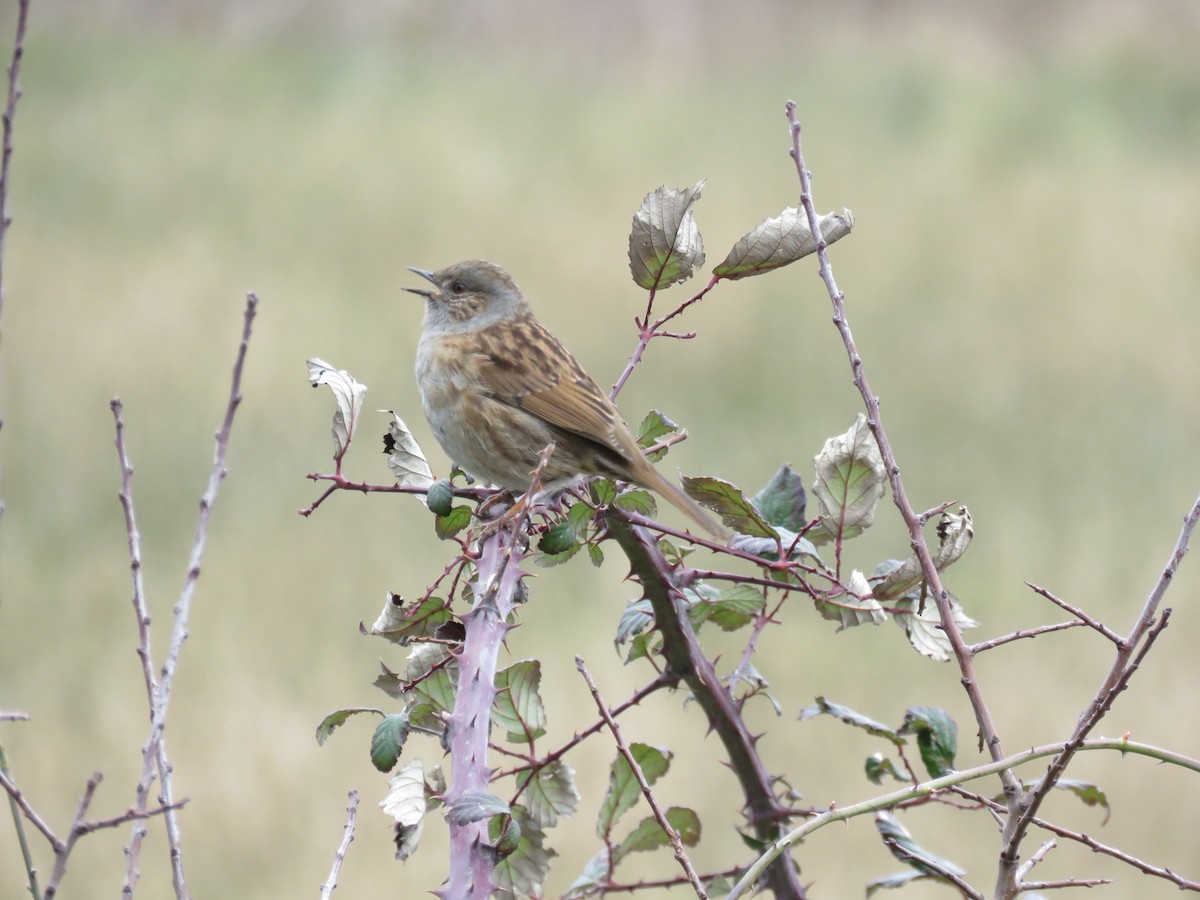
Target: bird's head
{"type": "Point", "coordinates": [469, 295]}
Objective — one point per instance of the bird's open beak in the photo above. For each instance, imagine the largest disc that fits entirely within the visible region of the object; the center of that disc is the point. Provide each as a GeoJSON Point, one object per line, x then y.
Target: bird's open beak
{"type": "Point", "coordinates": [428, 276]}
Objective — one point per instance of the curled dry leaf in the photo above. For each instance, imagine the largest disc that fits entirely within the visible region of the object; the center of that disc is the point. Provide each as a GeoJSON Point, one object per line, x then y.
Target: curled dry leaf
{"type": "Point", "coordinates": [849, 483]}
{"type": "Point", "coordinates": [954, 532]}
{"type": "Point", "coordinates": [349, 396]}
{"type": "Point", "coordinates": [406, 804]}
{"type": "Point", "coordinates": [780, 241]}
{"type": "Point", "coordinates": [404, 455]}
{"type": "Point", "coordinates": [665, 246]}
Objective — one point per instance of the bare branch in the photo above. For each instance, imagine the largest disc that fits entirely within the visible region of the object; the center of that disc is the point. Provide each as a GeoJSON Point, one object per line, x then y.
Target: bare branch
{"type": "Point", "coordinates": [976, 649]}
{"type": "Point", "coordinates": [160, 694]}
{"type": "Point", "coordinates": [659, 816]}
{"type": "Point", "coordinates": [988, 735]}
{"type": "Point", "coordinates": [1079, 614]}
{"type": "Point", "coordinates": [339, 857]}
{"type": "Point", "coordinates": [10, 112]}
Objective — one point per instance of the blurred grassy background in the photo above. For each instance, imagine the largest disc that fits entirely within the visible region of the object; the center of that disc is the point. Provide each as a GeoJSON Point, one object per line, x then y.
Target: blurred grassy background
{"type": "Point", "coordinates": [1022, 282]}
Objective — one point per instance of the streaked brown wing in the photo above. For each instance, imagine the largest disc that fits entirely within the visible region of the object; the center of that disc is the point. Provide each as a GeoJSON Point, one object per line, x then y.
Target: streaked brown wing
{"type": "Point", "coordinates": [532, 371]}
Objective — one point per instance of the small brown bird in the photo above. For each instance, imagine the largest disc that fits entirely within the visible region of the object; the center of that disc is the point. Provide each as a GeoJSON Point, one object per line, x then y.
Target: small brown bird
{"type": "Point", "coordinates": [497, 388]}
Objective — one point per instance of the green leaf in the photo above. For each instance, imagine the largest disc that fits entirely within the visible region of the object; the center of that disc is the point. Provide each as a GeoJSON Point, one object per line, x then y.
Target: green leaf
{"type": "Point", "coordinates": [878, 766]}
{"type": "Point", "coordinates": [604, 491]}
{"type": "Point", "coordinates": [664, 244]}
{"type": "Point", "coordinates": [891, 882]}
{"type": "Point", "coordinates": [504, 834]}
{"type": "Point", "coordinates": [449, 525]}
{"type": "Point", "coordinates": [558, 539]}
{"type": "Point", "coordinates": [782, 500]}
{"type": "Point", "coordinates": [518, 706]}
{"type": "Point", "coordinates": [388, 741]}
{"type": "Point", "coordinates": [638, 501]}
{"type": "Point", "coordinates": [736, 607]}
{"type": "Point", "coordinates": [549, 560]}
{"type": "Point", "coordinates": [849, 483]}
{"type": "Point", "coordinates": [895, 833]}
{"type": "Point", "coordinates": [850, 717]}
{"type": "Point", "coordinates": [637, 617]}
{"type": "Point", "coordinates": [524, 870]}
{"type": "Point", "coordinates": [649, 835]}
{"type": "Point", "coordinates": [595, 873]}
{"type": "Point", "coordinates": [474, 806]}
{"type": "Point", "coordinates": [334, 719]}
{"type": "Point", "coordinates": [654, 428]}
{"type": "Point", "coordinates": [580, 516]}
{"type": "Point", "coordinates": [937, 737]}
{"type": "Point", "coordinates": [1090, 794]}
{"type": "Point", "coordinates": [623, 788]}
{"type": "Point", "coordinates": [596, 554]}
{"type": "Point", "coordinates": [549, 791]}
{"type": "Point", "coordinates": [400, 624]}
{"type": "Point", "coordinates": [780, 241]}
{"type": "Point", "coordinates": [730, 504]}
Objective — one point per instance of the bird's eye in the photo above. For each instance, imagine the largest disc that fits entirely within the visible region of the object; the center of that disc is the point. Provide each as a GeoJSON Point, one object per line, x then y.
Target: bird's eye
{"type": "Point", "coordinates": [458, 288]}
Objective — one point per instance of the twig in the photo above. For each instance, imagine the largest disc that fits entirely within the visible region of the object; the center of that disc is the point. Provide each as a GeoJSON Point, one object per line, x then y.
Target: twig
{"type": "Point", "coordinates": [1037, 857]}
{"type": "Point", "coordinates": [840, 813]}
{"type": "Point", "coordinates": [659, 816]}
{"type": "Point", "coordinates": [987, 730]}
{"type": "Point", "coordinates": [923, 863]}
{"type": "Point", "coordinates": [647, 332]}
{"type": "Point", "coordinates": [1092, 844]}
{"type": "Point", "coordinates": [160, 695]}
{"type": "Point", "coordinates": [341, 483]}
{"type": "Point", "coordinates": [1064, 883]}
{"type": "Point", "coordinates": [10, 112]}
{"type": "Point", "coordinates": [13, 715]}
{"type": "Point", "coordinates": [665, 679]}
{"type": "Point", "coordinates": [976, 649]}
{"type": "Point", "coordinates": [62, 853]}
{"type": "Point", "coordinates": [19, 823]}
{"type": "Point", "coordinates": [1078, 613]}
{"type": "Point", "coordinates": [339, 857]}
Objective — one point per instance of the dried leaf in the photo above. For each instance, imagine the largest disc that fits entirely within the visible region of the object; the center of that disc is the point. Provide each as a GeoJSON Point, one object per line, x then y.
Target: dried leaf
{"type": "Point", "coordinates": [855, 606]}
{"type": "Point", "coordinates": [780, 241]}
{"type": "Point", "coordinates": [665, 246]}
{"type": "Point", "coordinates": [404, 455]}
{"type": "Point", "coordinates": [406, 804]}
{"type": "Point", "coordinates": [954, 532]}
{"type": "Point", "coordinates": [348, 394]}
{"type": "Point", "coordinates": [921, 622]}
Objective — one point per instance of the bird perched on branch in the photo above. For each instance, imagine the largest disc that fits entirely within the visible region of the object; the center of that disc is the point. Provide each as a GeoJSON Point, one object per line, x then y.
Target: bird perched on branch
{"type": "Point", "coordinates": [497, 388]}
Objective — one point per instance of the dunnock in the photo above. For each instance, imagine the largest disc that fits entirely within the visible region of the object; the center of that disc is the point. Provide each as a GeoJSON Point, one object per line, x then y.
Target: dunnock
{"type": "Point", "coordinates": [497, 388]}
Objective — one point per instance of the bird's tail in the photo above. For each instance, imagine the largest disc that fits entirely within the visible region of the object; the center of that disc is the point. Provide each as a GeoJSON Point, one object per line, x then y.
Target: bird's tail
{"type": "Point", "coordinates": [662, 486]}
